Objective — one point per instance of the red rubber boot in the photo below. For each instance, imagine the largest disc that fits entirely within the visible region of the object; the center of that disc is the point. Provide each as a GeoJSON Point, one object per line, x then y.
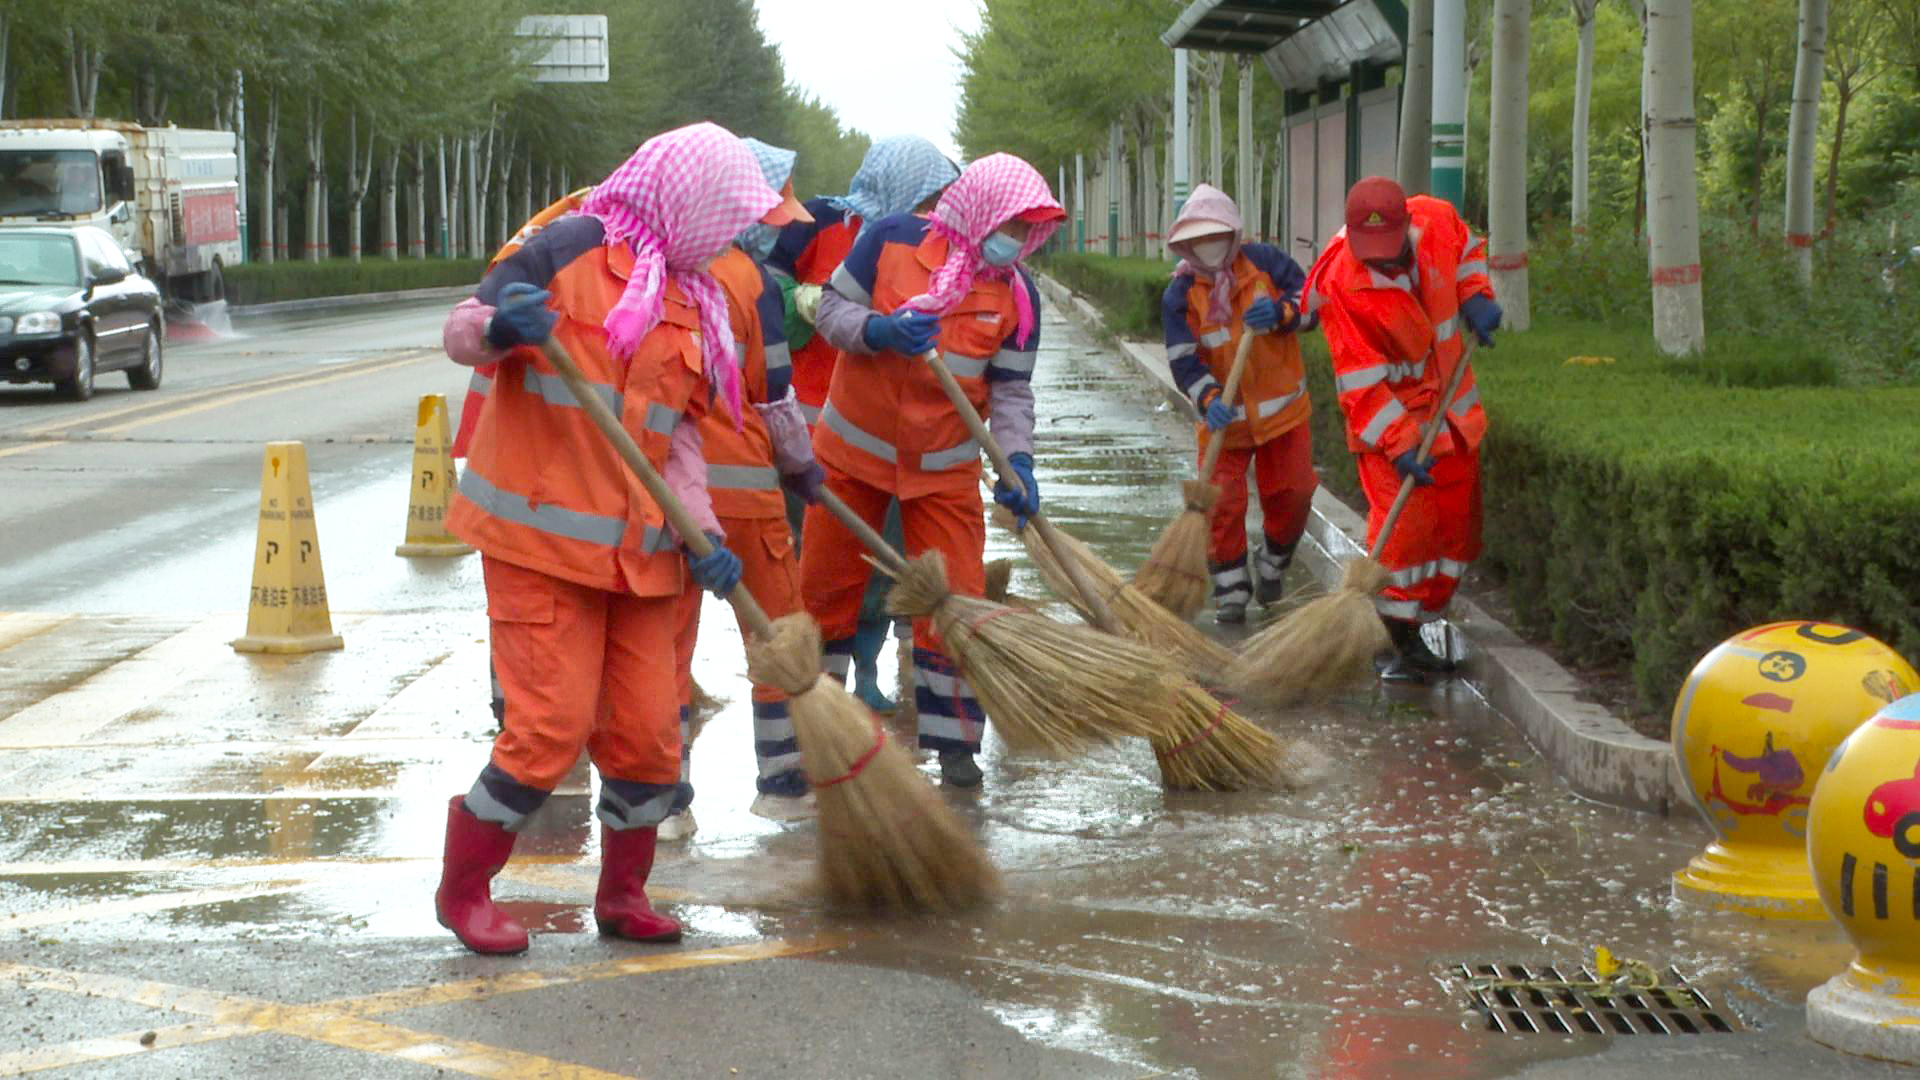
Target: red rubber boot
{"type": "Point", "coordinates": [620, 905]}
{"type": "Point", "coordinates": [476, 850]}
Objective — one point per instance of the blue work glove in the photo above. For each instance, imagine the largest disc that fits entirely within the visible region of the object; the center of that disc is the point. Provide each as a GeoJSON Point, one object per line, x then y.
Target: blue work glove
{"type": "Point", "coordinates": [1213, 412]}
{"type": "Point", "coordinates": [1482, 315]}
{"type": "Point", "coordinates": [1263, 315]}
{"type": "Point", "coordinates": [909, 333]}
{"type": "Point", "coordinates": [1021, 504]}
{"type": "Point", "coordinates": [806, 483]}
{"type": "Point", "coordinates": [718, 571]}
{"type": "Point", "coordinates": [1409, 464]}
{"type": "Point", "coordinates": [522, 317]}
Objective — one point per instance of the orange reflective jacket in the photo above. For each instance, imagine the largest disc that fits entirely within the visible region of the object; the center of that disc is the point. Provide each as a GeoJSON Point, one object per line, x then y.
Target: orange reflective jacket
{"type": "Point", "coordinates": [1273, 391]}
{"type": "Point", "coordinates": [887, 422]}
{"type": "Point", "coordinates": [1396, 340]}
{"type": "Point", "coordinates": [740, 472]}
{"type": "Point", "coordinates": [542, 487]}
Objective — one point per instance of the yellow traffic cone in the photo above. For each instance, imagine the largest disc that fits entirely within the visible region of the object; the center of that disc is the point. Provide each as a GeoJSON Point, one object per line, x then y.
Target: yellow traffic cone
{"type": "Point", "coordinates": [433, 483]}
{"type": "Point", "coordinates": [287, 612]}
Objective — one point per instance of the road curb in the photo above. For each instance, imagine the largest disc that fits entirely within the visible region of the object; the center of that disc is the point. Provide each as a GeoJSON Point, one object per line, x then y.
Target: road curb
{"type": "Point", "coordinates": [1595, 751]}
{"type": "Point", "coordinates": [328, 303]}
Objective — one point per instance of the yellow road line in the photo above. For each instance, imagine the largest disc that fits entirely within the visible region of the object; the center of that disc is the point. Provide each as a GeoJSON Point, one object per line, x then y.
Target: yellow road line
{"type": "Point", "coordinates": [143, 905]}
{"type": "Point", "coordinates": [25, 447]}
{"type": "Point", "coordinates": [234, 399]}
{"type": "Point", "coordinates": [108, 1047]}
{"type": "Point", "coordinates": [18, 626]}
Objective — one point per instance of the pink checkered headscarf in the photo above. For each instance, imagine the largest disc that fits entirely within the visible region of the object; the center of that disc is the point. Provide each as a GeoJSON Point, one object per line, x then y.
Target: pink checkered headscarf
{"type": "Point", "coordinates": [991, 192]}
{"type": "Point", "coordinates": [676, 203]}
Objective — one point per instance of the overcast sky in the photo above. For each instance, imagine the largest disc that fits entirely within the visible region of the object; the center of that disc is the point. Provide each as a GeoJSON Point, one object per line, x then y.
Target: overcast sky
{"type": "Point", "coordinates": [886, 66]}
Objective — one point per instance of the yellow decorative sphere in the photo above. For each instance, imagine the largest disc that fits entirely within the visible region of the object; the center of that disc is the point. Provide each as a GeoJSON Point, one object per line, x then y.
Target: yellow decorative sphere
{"type": "Point", "coordinates": [1751, 727]}
{"type": "Point", "coordinates": [1863, 847]}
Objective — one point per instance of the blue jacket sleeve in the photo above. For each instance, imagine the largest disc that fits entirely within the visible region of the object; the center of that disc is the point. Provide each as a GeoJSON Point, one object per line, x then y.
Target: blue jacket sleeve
{"type": "Point", "coordinates": [1287, 278]}
{"type": "Point", "coordinates": [795, 238]}
{"type": "Point", "coordinates": [773, 336]}
{"type": "Point", "coordinates": [541, 258]}
{"type": "Point", "coordinates": [1190, 371]}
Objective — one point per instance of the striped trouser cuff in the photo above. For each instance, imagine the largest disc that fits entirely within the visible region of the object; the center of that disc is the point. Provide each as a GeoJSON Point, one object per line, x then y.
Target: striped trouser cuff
{"type": "Point", "coordinates": [501, 799]}
{"type": "Point", "coordinates": [1273, 560]}
{"type": "Point", "coordinates": [630, 804]}
{"type": "Point", "coordinates": [774, 744]}
{"type": "Point", "coordinates": [683, 791]}
{"type": "Point", "coordinates": [499, 702]}
{"type": "Point", "coordinates": [950, 716]}
{"type": "Point", "coordinates": [836, 658]}
{"type": "Point", "coordinates": [1231, 582]}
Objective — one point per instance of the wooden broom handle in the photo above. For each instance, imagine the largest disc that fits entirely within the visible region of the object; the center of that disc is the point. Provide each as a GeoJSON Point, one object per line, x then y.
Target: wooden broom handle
{"type": "Point", "coordinates": [1427, 436]}
{"type": "Point", "coordinates": [656, 485]}
{"type": "Point", "coordinates": [1002, 465]}
{"type": "Point", "coordinates": [894, 562]}
{"type": "Point", "coordinates": [1216, 440]}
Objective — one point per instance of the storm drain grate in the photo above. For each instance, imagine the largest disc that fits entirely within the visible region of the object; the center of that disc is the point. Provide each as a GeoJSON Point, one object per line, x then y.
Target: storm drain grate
{"type": "Point", "coordinates": [1520, 1000]}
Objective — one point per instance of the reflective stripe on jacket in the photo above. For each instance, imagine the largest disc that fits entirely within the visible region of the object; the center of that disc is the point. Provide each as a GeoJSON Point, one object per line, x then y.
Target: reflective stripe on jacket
{"type": "Point", "coordinates": [1396, 340]}
{"type": "Point", "coordinates": [740, 473]}
{"type": "Point", "coordinates": [542, 488]}
{"type": "Point", "coordinates": [887, 422]}
{"type": "Point", "coordinates": [1273, 390]}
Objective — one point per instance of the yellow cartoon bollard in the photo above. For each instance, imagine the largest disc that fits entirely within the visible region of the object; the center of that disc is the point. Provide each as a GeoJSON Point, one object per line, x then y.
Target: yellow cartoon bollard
{"type": "Point", "coordinates": [432, 484]}
{"type": "Point", "coordinates": [1863, 847]}
{"type": "Point", "coordinates": [1751, 726]}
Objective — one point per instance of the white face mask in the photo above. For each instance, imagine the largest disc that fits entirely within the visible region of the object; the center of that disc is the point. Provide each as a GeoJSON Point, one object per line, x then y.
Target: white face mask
{"type": "Point", "coordinates": [1211, 252]}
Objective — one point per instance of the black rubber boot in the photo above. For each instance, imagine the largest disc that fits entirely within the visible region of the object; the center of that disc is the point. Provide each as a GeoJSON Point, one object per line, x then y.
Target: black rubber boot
{"type": "Point", "coordinates": [957, 767]}
{"type": "Point", "coordinates": [1413, 648]}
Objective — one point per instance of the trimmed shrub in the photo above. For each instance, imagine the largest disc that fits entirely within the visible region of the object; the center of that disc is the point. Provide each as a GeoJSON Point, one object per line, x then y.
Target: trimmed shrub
{"type": "Point", "coordinates": [261, 283]}
{"type": "Point", "coordinates": [1126, 290]}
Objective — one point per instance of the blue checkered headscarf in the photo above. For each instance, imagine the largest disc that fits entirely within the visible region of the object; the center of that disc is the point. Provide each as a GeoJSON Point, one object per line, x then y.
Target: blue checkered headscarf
{"type": "Point", "coordinates": [776, 163]}
{"type": "Point", "coordinates": [898, 174]}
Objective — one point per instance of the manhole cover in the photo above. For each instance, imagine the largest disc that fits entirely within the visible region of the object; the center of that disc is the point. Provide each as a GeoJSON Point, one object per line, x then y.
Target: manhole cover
{"type": "Point", "coordinates": [1521, 1000]}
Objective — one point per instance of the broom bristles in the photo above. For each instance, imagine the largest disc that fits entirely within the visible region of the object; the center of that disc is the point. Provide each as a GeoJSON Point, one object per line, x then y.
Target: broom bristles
{"type": "Point", "coordinates": [1320, 647]}
{"type": "Point", "coordinates": [1175, 575]}
{"type": "Point", "coordinates": [1206, 746]}
{"type": "Point", "coordinates": [888, 842]}
{"type": "Point", "coordinates": [1141, 619]}
{"type": "Point", "coordinates": [1049, 688]}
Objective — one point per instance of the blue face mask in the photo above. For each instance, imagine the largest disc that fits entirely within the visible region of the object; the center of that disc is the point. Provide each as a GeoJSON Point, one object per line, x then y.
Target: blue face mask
{"type": "Point", "coordinates": [1000, 249]}
{"type": "Point", "coordinates": [758, 240]}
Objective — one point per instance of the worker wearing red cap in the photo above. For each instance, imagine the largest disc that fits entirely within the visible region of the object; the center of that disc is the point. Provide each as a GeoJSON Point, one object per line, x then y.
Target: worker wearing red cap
{"type": "Point", "coordinates": [1395, 291]}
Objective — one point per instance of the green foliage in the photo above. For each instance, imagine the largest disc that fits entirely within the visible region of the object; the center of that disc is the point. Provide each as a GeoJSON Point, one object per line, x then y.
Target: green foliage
{"type": "Point", "coordinates": [261, 283]}
{"type": "Point", "coordinates": [1126, 290]}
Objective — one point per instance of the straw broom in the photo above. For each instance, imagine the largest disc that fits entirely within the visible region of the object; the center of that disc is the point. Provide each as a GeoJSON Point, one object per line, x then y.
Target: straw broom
{"type": "Point", "coordinates": [1175, 574]}
{"type": "Point", "coordinates": [1202, 736]}
{"type": "Point", "coordinates": [887, 841]}
{"type": "Point", "coordinates": [1050, 688]}
{"type": "Point", "coordinates": [1327, 643]}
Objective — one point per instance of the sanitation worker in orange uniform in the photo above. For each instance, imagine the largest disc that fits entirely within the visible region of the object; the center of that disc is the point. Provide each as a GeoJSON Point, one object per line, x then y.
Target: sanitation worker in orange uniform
{"type": "Point", "coordinates": [1396, 291]}
{"type": "Point", "coordinates": [910, 284]}
{"type": "Point", "coordinates": [585, 580]}
{"type": "Point", "coordinates": [1221, 289]}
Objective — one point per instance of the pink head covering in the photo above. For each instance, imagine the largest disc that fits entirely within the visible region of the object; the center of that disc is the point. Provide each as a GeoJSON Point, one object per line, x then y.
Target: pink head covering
{"type": "Point", "coordinates": [1209, 205]}
{"type": "Point", "coordinates": [991, 192]}
{"type": "Point", "coordinates": [676, 203]}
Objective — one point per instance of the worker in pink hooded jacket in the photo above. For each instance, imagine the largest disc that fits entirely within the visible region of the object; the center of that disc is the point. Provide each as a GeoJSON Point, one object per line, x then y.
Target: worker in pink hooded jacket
{"type": "Point", "coordinates": [1223, 288]}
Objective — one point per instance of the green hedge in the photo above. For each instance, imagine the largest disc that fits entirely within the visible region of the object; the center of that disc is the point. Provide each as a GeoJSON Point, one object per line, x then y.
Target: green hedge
{"type": "Point", "coordinates": [1639, 512]}
{"type": "Point", "coordinates": [261, 283]}
{"type": "Point", "coordinates": [1128, 290]}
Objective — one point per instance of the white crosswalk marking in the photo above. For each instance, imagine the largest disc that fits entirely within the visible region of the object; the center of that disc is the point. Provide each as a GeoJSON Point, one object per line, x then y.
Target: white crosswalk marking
{"type": "Point", "coordinates": [72, 715]}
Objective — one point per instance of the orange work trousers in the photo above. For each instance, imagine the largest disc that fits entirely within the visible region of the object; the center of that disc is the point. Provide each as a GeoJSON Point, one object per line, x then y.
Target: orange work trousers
{"type": "Point", "coordinates": [1436, 538]}
{"type": "Point", "coordinates": [833, 577]}
{"type": "Point", "coordinates": [1283, 472]}
{"type": "Point", "coordinates": [582, 667]}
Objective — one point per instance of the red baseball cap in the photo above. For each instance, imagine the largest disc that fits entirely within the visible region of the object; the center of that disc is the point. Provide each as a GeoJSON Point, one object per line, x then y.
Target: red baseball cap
{"type": "Point", "coordinates": [1376, 219]}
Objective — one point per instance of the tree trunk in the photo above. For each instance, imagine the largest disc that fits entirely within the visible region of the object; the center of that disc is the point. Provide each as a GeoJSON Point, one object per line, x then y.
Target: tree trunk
{"type": "Point", "coordinates": [1803, 132]}
{"type": "Point", "coordinates": [1111, 189]}
{"type": "Point", "coordinates": [526, 188]}
{"type": "Point", "coordinates": [1257, 221]}
{"type": "Point", "coordinates": [1843, 96]}
{"type": "Point", "coordinates": [359, 180]}
{"type": "Point", "coordinates": [1582, 108]}
{"type": "Point", "coordinates": [83, 74]}
{"type": "Point", "coordinates": [417, 232]}
{"type": "Point", "coordinates": [444, 203]}
{"type": "Point", "coordinates": [1507, 163]}
{"type": "Point", "coordinates": [470, 204]}
{"type": "Point", "coordinates": [6, 53]}
{"type": "Point", "coordinates": [270, 237]}
{"type": "Point", "coordinates": [316, 181]}
{"type": "Point", "coordinates": [282, 223]}
{"type": "Point", "coordinates": [1216, 148]}
{"type": "Point", "coordinates": [1416, 100]}
{"type": "Point", "coordinates": [1673, 203]}
{"type": "Point", "coordinates": [390, 204]}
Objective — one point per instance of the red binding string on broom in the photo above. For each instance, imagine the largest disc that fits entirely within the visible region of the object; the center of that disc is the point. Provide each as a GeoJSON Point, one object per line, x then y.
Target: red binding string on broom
{"type": "Point", "coordinates": [1204, 735]}
{"type": "Point", "coordinates": [879, 740]}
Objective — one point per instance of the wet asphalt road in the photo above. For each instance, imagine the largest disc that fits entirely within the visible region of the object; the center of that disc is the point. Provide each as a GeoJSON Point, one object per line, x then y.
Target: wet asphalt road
{"type": "Point", "coordinates": [231, 858]}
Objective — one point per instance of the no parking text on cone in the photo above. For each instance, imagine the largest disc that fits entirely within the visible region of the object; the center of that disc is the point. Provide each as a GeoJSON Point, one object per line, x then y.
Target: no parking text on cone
{"type": "Point", "coordinates": [287, 607]}
{"type": "Point", "coordinates": [433, 483]}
